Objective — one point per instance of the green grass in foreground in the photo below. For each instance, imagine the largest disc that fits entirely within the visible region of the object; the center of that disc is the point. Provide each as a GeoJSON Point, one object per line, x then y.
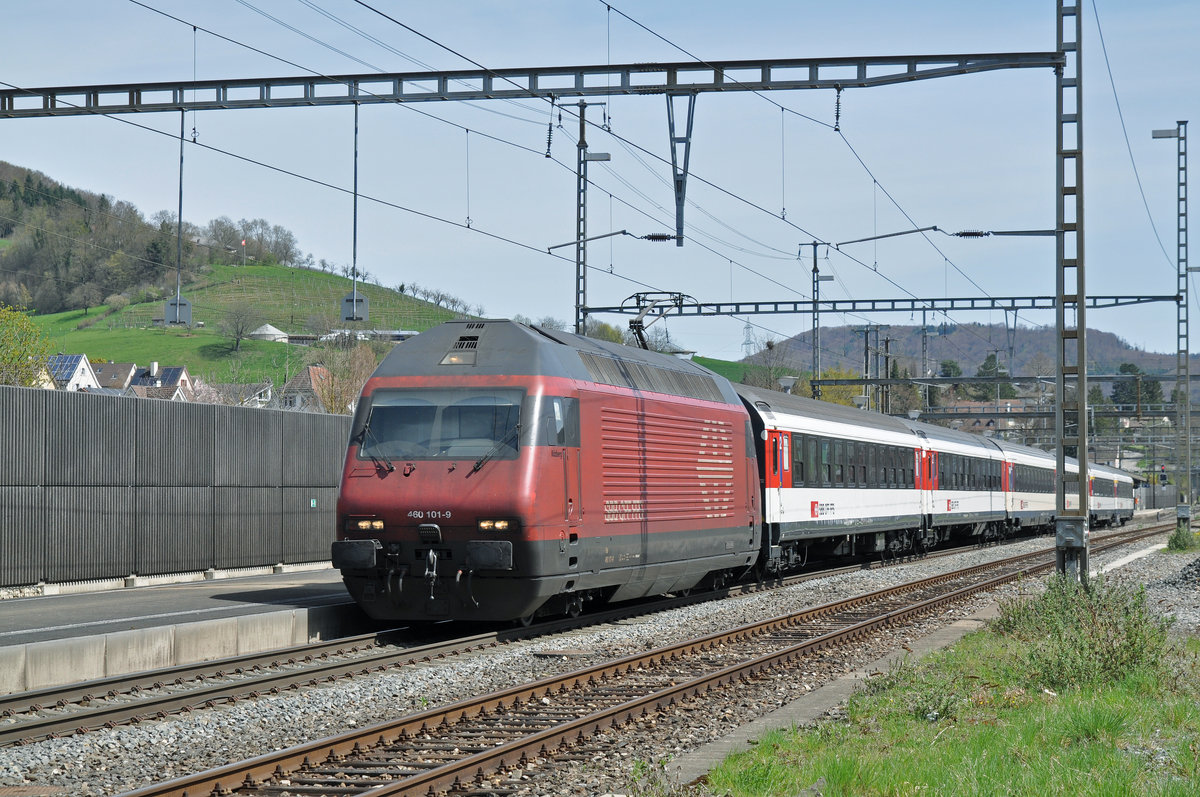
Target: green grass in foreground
{"type": "Point", "coordinates": [1074, 693]}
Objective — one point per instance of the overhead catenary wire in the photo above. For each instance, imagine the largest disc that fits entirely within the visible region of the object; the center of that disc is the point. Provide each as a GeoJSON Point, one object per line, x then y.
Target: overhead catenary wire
{"type": "Point", "coordinates": [835, 127]}
{"type": "Point", "coordinates": [451, 123]}
{"type": "Point", "coordinates": [291, 63]}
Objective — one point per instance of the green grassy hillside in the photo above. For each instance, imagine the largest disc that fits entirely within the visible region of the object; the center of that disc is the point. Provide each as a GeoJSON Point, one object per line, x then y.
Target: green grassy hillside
{"type": "Point", "coordinates": [294, 300]}
{"type": "Point", "coordinates": [297, 301]}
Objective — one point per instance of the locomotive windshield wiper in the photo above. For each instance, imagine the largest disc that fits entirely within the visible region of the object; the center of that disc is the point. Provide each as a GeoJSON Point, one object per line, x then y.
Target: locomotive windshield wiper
{"type": "Point", "coordinates": [495, 449]}
{"type": "Point", "coordinates": [366, 430]}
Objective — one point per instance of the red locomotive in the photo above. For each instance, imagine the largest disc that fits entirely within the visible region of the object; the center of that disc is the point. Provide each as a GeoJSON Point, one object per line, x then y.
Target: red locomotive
{"type": "Point", "coordinates": [497, 470]}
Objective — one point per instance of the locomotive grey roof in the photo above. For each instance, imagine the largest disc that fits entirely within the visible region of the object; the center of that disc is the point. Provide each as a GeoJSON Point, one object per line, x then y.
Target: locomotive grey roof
{"type": "Point", "coordinates": [501, 347]}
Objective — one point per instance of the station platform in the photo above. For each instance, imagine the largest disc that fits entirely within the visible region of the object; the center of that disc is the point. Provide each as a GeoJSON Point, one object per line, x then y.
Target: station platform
{"type": "Point", "coordinates": [73, 633]}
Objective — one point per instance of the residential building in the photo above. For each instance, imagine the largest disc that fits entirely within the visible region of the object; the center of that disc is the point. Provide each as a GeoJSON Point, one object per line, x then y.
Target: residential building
{"type": "Point", "coordinates": [71, 372]}
{"type": "Point", "coordinates": [117, 376]}
{"type": "Point", "coordinates": [301, 391]}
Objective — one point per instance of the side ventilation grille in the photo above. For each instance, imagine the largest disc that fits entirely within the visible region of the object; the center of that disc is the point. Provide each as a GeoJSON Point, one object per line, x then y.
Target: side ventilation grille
{"type": "Point", "coordinates": [641, 376]}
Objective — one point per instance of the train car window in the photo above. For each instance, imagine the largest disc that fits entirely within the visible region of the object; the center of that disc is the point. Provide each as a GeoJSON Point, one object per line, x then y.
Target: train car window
{"type": "Point", "coordinates": [826, 463]}
{"type": "Point", "coordinates": [787, 452]}
{"type": "Point", "coordinates": [798, 472]}
{"type": "Point", "coordinates": [839, 459]}
{"type": "Point", "coordinates": [811, 463]}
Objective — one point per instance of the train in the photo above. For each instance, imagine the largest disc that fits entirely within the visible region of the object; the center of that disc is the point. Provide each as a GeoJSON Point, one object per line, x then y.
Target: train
{"type": "Point", "coordinates": [497, 471]}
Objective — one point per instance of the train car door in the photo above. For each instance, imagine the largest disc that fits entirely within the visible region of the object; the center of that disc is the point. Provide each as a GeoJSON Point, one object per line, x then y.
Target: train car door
{"type": "Point", "coordinates": [561, 430]}
{"type": "Point", "coordinates": [778, 473]}
{"type": "Point", "coordinates": [930, 482]}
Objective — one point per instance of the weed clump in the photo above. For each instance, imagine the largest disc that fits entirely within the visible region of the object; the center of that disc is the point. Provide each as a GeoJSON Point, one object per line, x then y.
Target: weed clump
{"type": "Point", "coordinates": [1182, 539]}
{"type": "Point", "coordinates": [1086, 635]}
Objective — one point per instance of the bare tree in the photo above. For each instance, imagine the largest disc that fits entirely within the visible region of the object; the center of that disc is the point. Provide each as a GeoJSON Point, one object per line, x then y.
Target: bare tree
{"type": "Point", "coordinates": [240, 320]}
{"type": "Point", "coordinates": [765, 366]}
{"type": "Point", "coordinates": [349, 369]}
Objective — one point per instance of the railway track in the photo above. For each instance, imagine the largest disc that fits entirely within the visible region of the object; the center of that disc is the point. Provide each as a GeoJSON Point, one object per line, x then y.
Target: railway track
{"type": "Point", "coordinates": [93, 705]}
{"type": "Point", "coordinates": [469, 746]}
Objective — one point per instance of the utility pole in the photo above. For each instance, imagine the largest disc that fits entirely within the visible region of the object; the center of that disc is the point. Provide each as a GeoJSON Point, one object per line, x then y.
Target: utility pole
{"type": "Point", "coordinates": [866, 333]}
{"type": "Point", "coordinates": [887, 373]}
{"type": "Point", "coordinates": [817, 279]}
{"type": "Point", "coordinates": [924, 359]}
{"type": "Point", "coordinates": [1072, 535]}
{"type": "Point", "coordinates": [1182, 364]}
{"type": "Point", "coordinates": [581, 183]}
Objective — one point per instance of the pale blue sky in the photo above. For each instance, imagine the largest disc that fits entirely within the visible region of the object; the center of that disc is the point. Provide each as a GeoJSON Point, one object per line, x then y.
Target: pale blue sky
{"type": "Point", "coordinates": [970, 152]}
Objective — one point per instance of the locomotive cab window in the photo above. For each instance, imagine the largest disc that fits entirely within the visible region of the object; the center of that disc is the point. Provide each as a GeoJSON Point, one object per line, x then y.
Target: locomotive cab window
{"type": "Point", "coordinates": [558, 420]}
{"type": "Point", "coordinates": [440, 424]}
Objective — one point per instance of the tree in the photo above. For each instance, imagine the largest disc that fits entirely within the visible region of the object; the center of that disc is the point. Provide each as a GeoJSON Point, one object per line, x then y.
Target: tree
{"type": "Point", "coordinates": [240, 320]}
{"type": "Point", "coordinates": [86, 296]}
{"type": "Point", "coordinates": [23, 349]}
{"type": "Point", "coordinates": [1138, 392]}
{"type": "Point", "coordinates": [1096, 400]}
{"type": "Point", "coordinates": [658, 338]}
{"type": "Point", "coordinates": [602, 331]}
{"type": "Point", "coordinates": [985, 392]}
{"type": "Point", "coordinates": [349, 369]}
{"type": "Point", "coordinates": [765, 366]}
{"type": "Point", "coordinates": [837, 394]}
{"type": "Point", "coordinates": [950, 368]}
{"type": "Point", "coordinates": [902, 398]}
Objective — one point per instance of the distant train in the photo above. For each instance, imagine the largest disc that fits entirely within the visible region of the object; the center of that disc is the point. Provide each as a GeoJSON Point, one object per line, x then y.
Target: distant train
{"type": "Point", "coordinates": [498, 471]}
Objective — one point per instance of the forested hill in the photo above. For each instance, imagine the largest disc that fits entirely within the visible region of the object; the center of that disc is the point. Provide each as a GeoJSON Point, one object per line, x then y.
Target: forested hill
{"type": "Point", "coordinates": [970, 345]}
{"type": "Point", "coordinates": [63, 249]}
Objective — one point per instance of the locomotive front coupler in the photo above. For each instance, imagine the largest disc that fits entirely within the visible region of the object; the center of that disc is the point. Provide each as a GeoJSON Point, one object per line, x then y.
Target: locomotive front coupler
{"type": "Point", "coordinates": [431, 575]}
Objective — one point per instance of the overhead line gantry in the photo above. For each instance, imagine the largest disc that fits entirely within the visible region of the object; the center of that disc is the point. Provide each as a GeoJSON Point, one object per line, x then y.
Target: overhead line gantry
{"type": "Point", "coordinates": [679, 81]}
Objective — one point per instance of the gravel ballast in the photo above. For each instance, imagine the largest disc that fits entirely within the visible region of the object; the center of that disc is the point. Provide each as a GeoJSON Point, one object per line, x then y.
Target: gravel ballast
{"type": "Point", "coordinates": [113, 761]}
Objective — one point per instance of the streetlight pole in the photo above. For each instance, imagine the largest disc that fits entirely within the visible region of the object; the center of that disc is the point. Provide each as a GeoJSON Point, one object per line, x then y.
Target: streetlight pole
{"type": "Point", "coordinates": [1183, 385]}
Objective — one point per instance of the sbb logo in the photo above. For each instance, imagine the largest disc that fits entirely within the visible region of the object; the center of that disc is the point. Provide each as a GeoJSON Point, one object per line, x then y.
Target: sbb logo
{"type": "Point", "coordinates": [820, 509]}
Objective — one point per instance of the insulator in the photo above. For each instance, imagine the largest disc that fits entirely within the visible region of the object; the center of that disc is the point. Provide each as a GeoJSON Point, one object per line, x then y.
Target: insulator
{"type": "Point", "coordinates": [972, 234]}
{"type": "Point", "coordinates": [658, 236]}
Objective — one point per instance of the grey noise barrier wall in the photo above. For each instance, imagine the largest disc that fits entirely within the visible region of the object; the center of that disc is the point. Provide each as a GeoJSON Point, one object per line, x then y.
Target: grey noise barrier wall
{"type": "Point", "coordinates": [101, 487]}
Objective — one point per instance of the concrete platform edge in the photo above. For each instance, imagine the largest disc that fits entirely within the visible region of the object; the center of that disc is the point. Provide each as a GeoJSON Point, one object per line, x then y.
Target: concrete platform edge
{"type": "Point", "coordinates": [40, 665]}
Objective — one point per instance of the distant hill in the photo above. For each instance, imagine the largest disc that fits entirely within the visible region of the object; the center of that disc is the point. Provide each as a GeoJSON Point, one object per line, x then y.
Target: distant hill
{"type": "Point", "coordinates": [970, 345]}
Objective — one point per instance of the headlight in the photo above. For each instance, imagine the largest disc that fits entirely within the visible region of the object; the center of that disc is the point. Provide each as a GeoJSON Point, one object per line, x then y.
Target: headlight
{"type": "Point", "coordinates": [364, 524]}
{"type": "Point", "coordinates": [498, 525]}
